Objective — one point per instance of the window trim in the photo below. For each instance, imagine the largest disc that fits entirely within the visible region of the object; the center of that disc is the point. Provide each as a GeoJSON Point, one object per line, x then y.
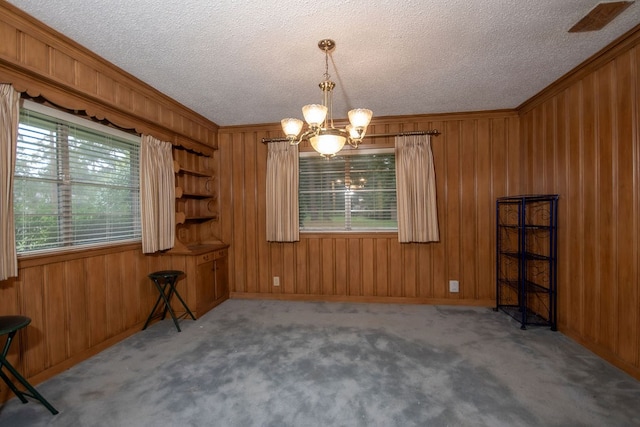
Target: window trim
{"type": "Point", "coordinates": [27, 104]}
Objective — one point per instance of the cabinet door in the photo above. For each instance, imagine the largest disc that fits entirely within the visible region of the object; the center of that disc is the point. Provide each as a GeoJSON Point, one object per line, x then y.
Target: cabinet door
{"type": "Point", "coordinates": [205, 286]}
{"type": "Point", "coordinates": [222, 279]}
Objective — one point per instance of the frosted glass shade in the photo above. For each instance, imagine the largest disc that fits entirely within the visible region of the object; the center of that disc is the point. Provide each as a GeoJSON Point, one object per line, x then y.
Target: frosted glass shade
{"type": "Point", "coordinates": [327, 144]}
{"type": "Point", "coordinates": [291, 127]}
{"type": "Point", "coordinates": [314, 114]}
{"type": "Point", "coordinates": [360, 117]}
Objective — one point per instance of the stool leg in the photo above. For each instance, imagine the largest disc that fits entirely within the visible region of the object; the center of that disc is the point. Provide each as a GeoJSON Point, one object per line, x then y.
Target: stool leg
{"type": "Point", "coordinates": [153, 310]}
{"type": "Point", "coordinates": [175, 291]}
{"type": "Point", "coordinates": [3, 361]}
{"type": "Point", "coordinates": [168, 305]}
{"type": "Point", "coordinates": [32, 391]}
{"type": "Point", "coordinates": [169, 294]}
{"type": "Point", "coordinates": [12, 386]}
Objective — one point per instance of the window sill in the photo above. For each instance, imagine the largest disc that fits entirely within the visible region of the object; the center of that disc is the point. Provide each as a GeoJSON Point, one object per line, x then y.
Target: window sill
{"type": "Point", "coordinates": [349, 234]}
{"type": "Point", "coordinates": [43, 258]}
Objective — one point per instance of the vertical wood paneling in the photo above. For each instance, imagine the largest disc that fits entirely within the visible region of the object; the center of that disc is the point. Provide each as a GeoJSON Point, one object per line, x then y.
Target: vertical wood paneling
{"type": "Point", "coordinates": [381, 249]}
{"type": "Point", "coordinates": [484, 214]}
{"type": "Point", "coordinates": [468, 209]}
{"type": "Point", "coordinates": [407, 270]}
{"type": "Point", "coordinates": [452, 215]}
{"type": "Point", "coordinates": [341, 278]}
{"type": "Point", "coordinates": [592, 160]}
{"type": "Point", "coordinates": [96, 279]}
{"type": "Point", "coordinates": [76, 305]}
{"type": "Point", "coordinates": [288, 269]}
{"type": "Point", "coordinates": [328, 267]}
{"type": "Point", "coordinates": [302, 278]}
{"type": "Point", "coordinates": [31, 295]}
{"type": "Point", "coordinates": [590, 210]}
{"type": "Point", "coordinates": [368, 267]}
{"type": "Point", "coordinates": [252, 203]}
{"type": "Point", "coordinates": [626, 310]}
{"type": "Point", "coordinates": [237, 202]}
{"type": "Point", "coordinates": [55, 310]}
{"type": "Point", "coordinates": [355, 267]}
{"type": "Point", "coordinates": [473, 160]}
{"type": "Point", "coordinates": [573, 266]}
{"type": "Point", "coordinates": [606, 204]}
{"type": "Point", "coordinates": [78, 337]}
{"type": "Point", "coordinates": [315, 266]}
{"type": "Point", "coordinates": [397, 284]}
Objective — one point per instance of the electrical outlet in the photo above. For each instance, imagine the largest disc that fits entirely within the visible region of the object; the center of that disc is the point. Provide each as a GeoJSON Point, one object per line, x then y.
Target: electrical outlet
{"type": "Point", "coordinates": [276, 281]}
{"type": "Point", "coordinates": [454, 286]}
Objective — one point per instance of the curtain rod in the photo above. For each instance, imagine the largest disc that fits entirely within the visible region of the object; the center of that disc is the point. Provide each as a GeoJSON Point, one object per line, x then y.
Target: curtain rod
{"type": "Point", "coordinates": [434, 132]}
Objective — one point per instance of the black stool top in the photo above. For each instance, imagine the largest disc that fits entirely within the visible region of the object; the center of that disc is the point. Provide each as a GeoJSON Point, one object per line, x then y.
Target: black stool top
{"type": "Point", "coordinates": [166, 274]}
{"type": "Point", "coordinates": [9, 324]}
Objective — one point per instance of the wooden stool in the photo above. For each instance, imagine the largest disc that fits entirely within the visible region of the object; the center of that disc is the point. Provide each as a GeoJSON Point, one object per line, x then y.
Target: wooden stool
{"type": "Point", "coordinates": [165, 282]}
{"type": "Point", "coordinates": [9, 325]}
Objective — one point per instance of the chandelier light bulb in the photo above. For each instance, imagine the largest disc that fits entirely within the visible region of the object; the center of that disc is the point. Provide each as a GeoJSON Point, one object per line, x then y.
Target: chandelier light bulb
{"type": "Point", "coordinates": [291, 127]}
{"type": "Point", "coordinates": [327, 144]}
{"type": "Point", "coordinates": [314, 114]}
{"type": "Point", "coordinates": [360, 117]}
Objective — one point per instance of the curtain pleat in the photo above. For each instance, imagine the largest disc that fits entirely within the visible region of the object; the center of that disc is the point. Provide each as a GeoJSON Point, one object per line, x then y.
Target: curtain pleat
{"type": "Point", "coordinates": [9, 118]}
{"type": "Point", "coordinates": [416, 190]}
{"type": "Point", "coordinates": [157, 195]}
{"type": "Point", "coordinates": [282, 192]}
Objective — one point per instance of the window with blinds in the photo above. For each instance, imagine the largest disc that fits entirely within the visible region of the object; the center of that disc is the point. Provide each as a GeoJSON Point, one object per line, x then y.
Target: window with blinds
{"type": "Point", "coordinates": [353, 191]}
{"type": "Point", "coordinates": [76, 182]}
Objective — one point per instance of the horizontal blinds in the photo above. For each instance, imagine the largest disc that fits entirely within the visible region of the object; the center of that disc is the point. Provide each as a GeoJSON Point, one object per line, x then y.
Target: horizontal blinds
{"type": "Point", "coordinates": [74, 185]}
{"type": "Point", "coordinates": [354, 192]}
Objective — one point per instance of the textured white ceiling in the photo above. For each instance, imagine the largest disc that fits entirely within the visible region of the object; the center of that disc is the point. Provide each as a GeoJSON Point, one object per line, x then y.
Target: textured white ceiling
{"type": "Point", "coordinates": [247, 62]}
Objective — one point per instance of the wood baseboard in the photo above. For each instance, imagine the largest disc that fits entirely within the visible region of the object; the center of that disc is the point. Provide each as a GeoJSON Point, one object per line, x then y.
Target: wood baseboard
{"type": "Point", "coordinates": [602, 352]}
{"type": "Point", "coordinates": [361, 299]}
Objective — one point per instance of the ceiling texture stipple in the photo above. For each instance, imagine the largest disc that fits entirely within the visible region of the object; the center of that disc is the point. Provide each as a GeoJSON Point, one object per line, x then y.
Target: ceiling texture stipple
{"type": "Point", "coordinates": [243, 62]}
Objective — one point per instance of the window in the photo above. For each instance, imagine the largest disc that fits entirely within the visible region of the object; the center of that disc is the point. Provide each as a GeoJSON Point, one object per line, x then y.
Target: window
{"type": "Point", "coordinates": [354, 191]}
{"type": "Point", "coordinates": [76, 182]}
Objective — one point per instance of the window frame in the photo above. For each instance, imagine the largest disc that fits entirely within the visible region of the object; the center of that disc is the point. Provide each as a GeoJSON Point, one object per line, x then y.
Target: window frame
{"type": "Point", "coordinates": [348, 152]}
{"type": "Point", "coordinates": [83, 125]}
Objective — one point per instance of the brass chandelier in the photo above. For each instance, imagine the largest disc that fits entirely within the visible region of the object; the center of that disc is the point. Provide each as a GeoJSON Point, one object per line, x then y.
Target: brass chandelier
{"type": "Point", "coordinates": [324, 137]}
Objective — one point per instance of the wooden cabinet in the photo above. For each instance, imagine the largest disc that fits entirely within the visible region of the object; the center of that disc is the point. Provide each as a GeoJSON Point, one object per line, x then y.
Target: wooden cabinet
{"type": "Point", "coordinates": [205, 284]}
{"type": "Point", "coordinates": [197, 249]}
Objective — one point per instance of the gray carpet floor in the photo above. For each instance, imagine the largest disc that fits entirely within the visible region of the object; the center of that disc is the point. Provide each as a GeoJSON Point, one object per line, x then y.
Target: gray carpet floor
{"type": "Point", "coordinates": [276, 363]}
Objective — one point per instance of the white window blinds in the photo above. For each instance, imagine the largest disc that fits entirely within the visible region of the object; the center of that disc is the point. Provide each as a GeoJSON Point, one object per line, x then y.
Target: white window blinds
{"type": "Point", "coordinates": [350, 192]}
{"type": "Point", "coordinates": [76, 183]}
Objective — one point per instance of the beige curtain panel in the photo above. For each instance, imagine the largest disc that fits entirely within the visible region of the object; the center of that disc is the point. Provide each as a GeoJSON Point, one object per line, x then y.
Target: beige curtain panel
{"type": "Point", "coordinates": [282, 192]}
{"type": "Point", "coordinates": [157, 195]}
{"type": "Point", "coordinates": [9, 117]}
{"type": "Point", "coordinates": [416, 188]}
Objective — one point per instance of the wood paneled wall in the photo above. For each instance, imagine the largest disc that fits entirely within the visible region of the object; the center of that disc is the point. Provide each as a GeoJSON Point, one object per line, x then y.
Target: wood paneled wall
{"type": "Point", "coordinates": [580, 140]}
{"type": "Point", "coordinates": [477, 158]}
{"type": "Point", "coordinates": [81, 303]}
